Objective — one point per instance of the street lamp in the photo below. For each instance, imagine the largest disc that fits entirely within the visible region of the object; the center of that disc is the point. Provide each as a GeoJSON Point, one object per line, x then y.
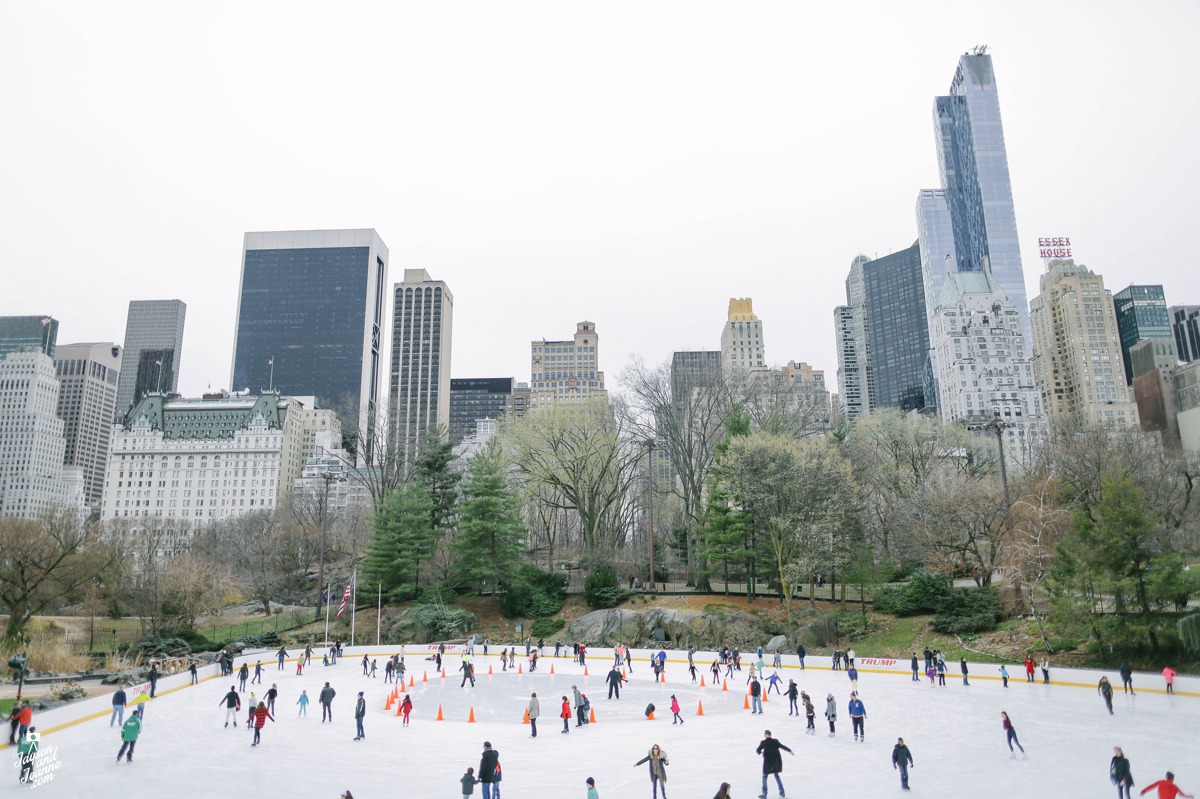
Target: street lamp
{"type": "Point", "coordinates": [328, 477]}
{"type": "Point", "coordinates": [650, 446]}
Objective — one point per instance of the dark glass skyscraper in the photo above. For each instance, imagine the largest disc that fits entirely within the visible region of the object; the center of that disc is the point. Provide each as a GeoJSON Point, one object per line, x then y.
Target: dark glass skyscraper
{"type": "Point", "coordinates": [1185, 324]}
{"type": "Point", "coordinates": [310, 318]}
{"type": "Point", "coordinates": [894, 300]}
{"type": "Point", "coordinates": [477, 398]}
{"type": "Point", "coordinates": [28, 334]}
{"type": "Point", "coordinates": [1141, 314]}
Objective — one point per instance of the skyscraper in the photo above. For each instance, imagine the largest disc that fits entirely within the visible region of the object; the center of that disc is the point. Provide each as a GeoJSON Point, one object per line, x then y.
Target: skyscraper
{"type": "Point", "coordinates": [1141, 314]}
{"type": "Point", "coordinates": [1077, 349]}
{"type": "Point", "coordinates": [477, 398]}
{"type": "Point", "coordinates": [691, 370]}
{"type": "Point", "coordinates": [742, 346]}
{"type": "Point", "coordinates": [153, 346]}
{"type": "Point", "coordinates": [310, 319]}
{"type": "Point", "coordinates": [1185, 326]}
{"type": "Point", "coordinates": [853, 346]}
{"type": "Point", "coordinates": [28, 334]}
{"type": "Point", "coordinates": [567, 370]}
{"type": "Point", "coordinates": [896, 328]}
{"type": "Point", "coordinates": [973, 165]}
{"type": "Point", "coordinates": [87, 403]}
{"type": "Point", "coordinates": [422, 323]}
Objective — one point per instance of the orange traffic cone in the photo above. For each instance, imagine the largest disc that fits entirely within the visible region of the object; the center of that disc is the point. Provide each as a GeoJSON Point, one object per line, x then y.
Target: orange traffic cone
{"type": "Point", "coordinates": [489, 669]}
{"type": "Point", "coordinates": [764, 696]}
{"type": "Point", "coordinates": [412, 681]}
{"type": "Point", "coordinates": [440, 718]}
{"type": "Point", "coordinates": [725, 685]}
{"type": "Point", "coordinates": [526, 719]}
{"type": "Point", "coordinates": [662, 677]}
{"type": "Point", "coordinates": [651, 716]}
{"type": "Point", "coordinates": [592, 716]}
{"type": "Point", "coordinates": [519, 669]}
{"type": "Point", "coordinates": [746, 704]}
{"type": "Point", "coordinates": [424, 676]}
{"type": "Point", "coordinates": [388, 705]}
{"type": "Point", "coordinates": [443, 674]}
{"type": "Point", "coordinates": [700, 710]}
{"type": "Point", "coordinates": [701, 680]}
{"type": "Point", "coordinates": [585, 671]}
{"type": "Point", "coordinates": [551, 668]}
{"type": "Point", "coordinates": [471, 718]}
{"type": "Point", "coordinates": [398, 706]}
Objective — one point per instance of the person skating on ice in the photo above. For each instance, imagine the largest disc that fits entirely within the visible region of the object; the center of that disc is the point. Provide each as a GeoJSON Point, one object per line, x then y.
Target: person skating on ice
{"type": "Point", "coordinates": [1120, 774]}
{"type": "Point", "coordinates": [770, 748]}
{"type": "Point", "coordinates": [406, 709]}
{"type": "Point", "coordinates": [902, 759]}
{"type": "Point", "coordinates": [535, 710]}
{"type": "Point", "coordinates": [360, 713]}
{"type": "Point", "coordinates": [675, 711]}
{"type": "Point", "coordinates": [1127, 678]}
{"type": "Point", "coordinates": [326, 699]}
{"type": "Point", "coordinates": [755, 696]}
{"type": "Point", "coordinates": [232, 703]}
{"type": "Point", "coordinates": [489, 771]}
{"type": "Point", "coordinates": [468, 782]}
{"type": "Point", "coordinates": [962, 668]}
{"type": "Point", "coordinates": [591, 789]}
{"type": "Point", "coordinates": [658, 761]}
{"type": "Point", "coordinates": [1169, 675]}
{"type": "Point", "coordinates": [259, 718]}
{"type": "Point", "coordinates": [915, 678]}
{"type": "Point", "coordinates": [831, 714]}
{"type": "Point", "coordinates": [614, 680]}
{"type": "Point", "coordinates": [810, 714]}
{"type": "Point", "coordinates": [565, 715]}
{"type": "Point", "coordinates": [1010, 733]}
{"type": "Point", "coordinates": [1106, 692]}
{"type": "Point", "coordinates": [130, 731]}
{"type": "Point", "coordinates": [1004, 676]}
{"type": "Point", "coordinates": [858, 716]}
{"type": "Point", "coordinates": [303, 703]}
{"type": "Point", "coordinates": [1167, 789]}
{"type": "Point", "coordinates": [793, 694]}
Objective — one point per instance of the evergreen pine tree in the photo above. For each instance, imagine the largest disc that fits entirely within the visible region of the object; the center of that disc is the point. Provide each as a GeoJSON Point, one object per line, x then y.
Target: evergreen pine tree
{"type": "Point", "coordinates": [489, 524]}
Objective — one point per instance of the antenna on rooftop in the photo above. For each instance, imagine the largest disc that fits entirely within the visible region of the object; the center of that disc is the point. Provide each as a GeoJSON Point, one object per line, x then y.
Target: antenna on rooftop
{"type": "Point", "coordinates": [980, 49]}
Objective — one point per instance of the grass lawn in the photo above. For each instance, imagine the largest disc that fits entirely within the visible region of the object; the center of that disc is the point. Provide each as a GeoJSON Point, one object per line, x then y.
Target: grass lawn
{"type": "Point", "coordinates": [895, 640]}
{"type": "Point", "coordinates": [6, 706]}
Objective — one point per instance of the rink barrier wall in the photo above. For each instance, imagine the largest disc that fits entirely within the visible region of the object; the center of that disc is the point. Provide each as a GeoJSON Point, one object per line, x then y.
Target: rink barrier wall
{"type": "Point", "coordinates": [98, 707]}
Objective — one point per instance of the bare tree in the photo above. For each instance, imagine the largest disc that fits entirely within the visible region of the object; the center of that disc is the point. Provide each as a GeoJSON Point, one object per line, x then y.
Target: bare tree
{"type": "Point", "coordinates": [1038, 522]}
{"type": "Point", "coordinates": [962, 523]}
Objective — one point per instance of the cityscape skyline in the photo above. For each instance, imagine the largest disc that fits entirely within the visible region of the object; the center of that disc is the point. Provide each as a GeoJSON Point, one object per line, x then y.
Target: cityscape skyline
{"type": "Point", "coordinates": [744, 208]}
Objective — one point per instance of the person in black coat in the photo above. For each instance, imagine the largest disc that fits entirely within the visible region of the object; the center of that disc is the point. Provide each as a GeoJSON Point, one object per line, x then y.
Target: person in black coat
{"type": "Point", "coordinates": [489, 771]}
{"type": "Point", "coordinates": [614, 680]}
{"type": "Point", "coordinates": [772, 761]}
{"type": "Point", "coordinates": [1118, 771]}
{"type": "Point", "coordinates": [1127, 678]}
{"type": "Point", "coordinates": [902, 759]}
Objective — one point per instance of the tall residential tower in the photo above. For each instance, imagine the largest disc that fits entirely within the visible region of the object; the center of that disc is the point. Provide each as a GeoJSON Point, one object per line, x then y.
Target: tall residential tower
{"type": "Point", "coordinates": [153, 346]}
{"type": "Point", "coordinates": [422, 323]}
{"type": "Point", "coordinates": [87, 404]}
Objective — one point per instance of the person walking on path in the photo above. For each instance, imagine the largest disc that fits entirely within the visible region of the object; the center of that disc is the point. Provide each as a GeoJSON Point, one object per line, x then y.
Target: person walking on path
{"type": "Point", "coordinates": [489, 771]}
{"type": "Point", "coordinates": [658, 761]}
{"type": "Point", "coordinates": [858, 716]}
{"type": "Point", "coordinates": [1119, 773]}
{"type": "Point", "coordinates": [565, 715]}
{"type": "Point", "coordinates": [1167, 789]}
{"type": "Point", "coordinates": [962, 667]}
{"type": "Point", "coordinates": [130, 731]}
{"type": "Point", "coordinates": [1106, 692]}
{"type": "Point", "coordinates": [916, 677]}
{"type": "Point", "coordinates": [793, 693]}
{"type": "Point", "coordinates": [406, 709]}
{"type": "Point", "coordinates": [272, 695]}
{"type": "Point", "coordinates": [852, 673]}
{"type": "Point", "coordinates": [1010, 733]}
{"type": "Point", "coordinates": [1169, 675]}
{"type": "Point", "coordinates": [614, 681]}
{"type": "Point", "coordinates": [535, 710]}
{"type": "Point", "coordinates": [801, 653]}
{"type": "Point", "coordinates": [755, 696]}
{"type": "Point", "coordinates": [902, 759]}
{"type": "Point", "coordinates": [260, 716]}
{"type": "Point", "coordinates": [233, 703]}
{"type": "Point", "coordinates": [243, 675]}
{"type": "Point", "coordinates": [281, 656]}
{"type": "Point", "coordinates": [1127, 678]}
{"type": "Point", "coordinates": [360, 713]}
{"type": "Point", "coordinates": [675, 710]}
{"type": "Point", "coordinates": [303, 703]}
{"type": "Point", "coordinates": [118, 706]}
{"type": "Point", "coordinates": [770, 748]}
{"type": "Point", "coordinates": [831, 714]}
{"type": "Point", "coordinates": [326, 699]}
{"type": "Point", "coordinates": [1004, 675]}
{"type": "Point", "coordinates": [27, 749]}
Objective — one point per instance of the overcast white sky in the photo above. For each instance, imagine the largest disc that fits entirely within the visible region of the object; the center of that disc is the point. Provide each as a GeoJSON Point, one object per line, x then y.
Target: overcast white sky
{"type": "Point", "coordinates": [631, 163]}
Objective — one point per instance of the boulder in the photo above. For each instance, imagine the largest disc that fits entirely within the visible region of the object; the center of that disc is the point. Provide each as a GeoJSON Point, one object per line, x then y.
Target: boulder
{"type": "Point", "coordinates": [683, 627]}
{"type": "Point", "coordinates": [777, 644]}
{"type": "Point", "coordinates": [607, 627]}
{"type": "Point", "coordinates": [126, 677]}
{"type": "Point", "coordinates": [423, 624]}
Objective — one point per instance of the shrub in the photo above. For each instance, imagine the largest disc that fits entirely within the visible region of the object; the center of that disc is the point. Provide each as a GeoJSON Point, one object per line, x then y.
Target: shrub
{"type": "Point", "coordinates": [436, 593]}
{"type": "Point", "coordinates": [543, 604]}
{"type": "Point", "coordinates": [196, 641]}
{"type": "Point", "coordinates": [976, 610]}
{"type": "Point", "coordinates": [544, 628]}
{"type": "Point", "coordinates": [600, 589]}
{"type": "Point", "coordinates": [268, 640]}
{"type": "Point", "coordinates": [924, 593]}
{"type": "Point", "coordinates": [154, 648]}
{"type": "Point", "coordinates": [533, 592]}
{"type": "Point", "coordinates": [516, 600]}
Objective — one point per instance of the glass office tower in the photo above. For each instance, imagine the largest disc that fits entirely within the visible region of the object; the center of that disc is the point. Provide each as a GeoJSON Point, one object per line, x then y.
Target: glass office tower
{"type": "Point", "coordinates": [894, 300]}
{"type": "Point", "coordinates": [310, 319]}
{"type": "Point", "coordinates": [1141, 314]}
{"type": "Point", "coordinates": [28, 334]}
{"type": "Point", "coordinates": [153, 349]}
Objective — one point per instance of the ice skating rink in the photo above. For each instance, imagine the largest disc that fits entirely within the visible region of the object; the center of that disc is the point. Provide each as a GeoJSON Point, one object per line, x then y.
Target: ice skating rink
{"type": "Point", "coordinates": [954, 733]}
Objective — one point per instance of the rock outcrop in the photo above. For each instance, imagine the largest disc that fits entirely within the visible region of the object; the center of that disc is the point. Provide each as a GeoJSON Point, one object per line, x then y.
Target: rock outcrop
{"type": "Point", "coordinates": [654, 626]}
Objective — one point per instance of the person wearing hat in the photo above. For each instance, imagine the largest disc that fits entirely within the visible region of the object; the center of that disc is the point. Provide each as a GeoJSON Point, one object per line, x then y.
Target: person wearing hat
{"type": "Point", "coordinates": [489, 771]}
{"type": "Point", "coordinates": [591, 789]}
{"type": "Point", "coordinates": [360, 713]}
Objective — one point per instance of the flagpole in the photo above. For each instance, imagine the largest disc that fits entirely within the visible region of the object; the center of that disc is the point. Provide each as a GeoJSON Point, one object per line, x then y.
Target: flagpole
{"type": "Point", "coordinates": [379, 618]}
{"type": "Point", "coordinates": [271, 381]}
{"type": "Point", "coordinates": [353, 601]}
{"type": "Point", "coordinates": [328, 588]}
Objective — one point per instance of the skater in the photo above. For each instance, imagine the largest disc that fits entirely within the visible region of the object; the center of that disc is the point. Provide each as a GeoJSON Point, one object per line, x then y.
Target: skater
{"type": "Point", "coordinates": [257, 673]}
{"type": "Point", "coordinates": [260, 716]}
{"type": "Point", "coordinates": [928, 658]}
{"type": "Point", "coordinates": [366, 664]}
{"type": "Point", "coordinates": [1004, 676]}
{"type": "Point", "coordinates": [299, 666]}
{"type": "Point", "coordinates": [914, 668]}
{"type": "Point", "coordinates": [233, 703]}
{"type": "Point", "coordinates": [1169, 675]}
{"type": "Point", "coordinates": [716, 672]}
{"type": "Point", "coordinates": [858, 716]}
{"type": "Point", "coordinates": [657, 759]}
{"type": "Point", "coordinates": [468, 783]}
{"type": "Point", "coordinates": [902, 759]}
{"type": "Point", "coordinates": [962, 667]}
{"type": "Point", "coordinates": [565, 715]}
{"type": "Point", "coordinates": [1010, 733]}
{"type": "Point", "coordinates": [272, 695]}
{"type": "Point", "coordinates": [504, 659]}
{"type": "Point", "coordinates": [243, 675]}
{"type": "Point", "coordinates": [1167, 789]}
{"type": "Point", "coordinates": [118, 706]}
{"type": "Point", "coordinates": [852, 673]}
{"type": "Point", "coordinates": [755, 696]}
{"type": "Point", "coordinates": [468, 671]}
{"type": "Point", "coordinates": [1029, 667]}
{"type": "Point", "coordinates": [388, 669]}
{"type": "Point", "coordinates": [400, 669]}
{"type": "Point", "coordinates": [1127, 678]}
{"type": "Point", "coordinates": [1119, 773]}
{"type": "Point", "coordinates": [831, 714]}
{"type": "Point", "coordinates": [675, 710]}
{"type": "Point", "coordinates": [810, 713]}
{"type": "Point", "coordinates": [591, 789]}
{"type": "Point", "coordinates": [628, 660]}
{"type": "Point", "coordinates": [801, 653]}
{"type": "Point", "coordinates": [130, 731]}
{"type": "Point", "coordinates": [941, 671]}
{"type": "Point", "coordinates": [579, 717]}
{"type": "Point", "coordinates": [326, 699]}
{"type": "Point", "coordinates": [1106, 692]}
{"type": "Point", "coordinates": [614, 681]}
{"type": "Point", "coordinates": [192, 672]}
{"type": "Point", "coordinates": [692, 671]}
{"type": "Point", "coordinates": [722, 792]}
{"type": "Point", "coordinates": [360, 713]}
{"type": "Point", "coordinates": [774, 680]}
{"type": "Point", "coordinates": [1045, 666]}
{"type": "Point", "coordinates": [489, 771]}
{"type": "Point", "coordinates": [27, 749]}
{"type": "Point", "coordinates": [772, 762]}
{"type": "Point", "coordinates": [837, 659]}
{"type": "Point", "coordinates": [303, 703]}
{"type": "Point", "coordinates": [535, 710]}
{"type": "Point", "coordinates": [250, 708]}
{"type": "Point", "coordinates": [849, 658]}
{"type": "Point", "coordinates": [406, 709]}
{"type": "Point", "coordinates": [793, 693]}
{"type": "Point", "coordinates": [153, 677]}
{"type": "Point", "coordinates": [281, 656]}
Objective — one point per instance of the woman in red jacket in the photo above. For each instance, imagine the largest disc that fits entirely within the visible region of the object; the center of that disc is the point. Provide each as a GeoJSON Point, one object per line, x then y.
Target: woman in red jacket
{"type": "Point", "coordinates": [406, 709]}
{"type": "Point", "coordinates": [565, 715]}
{"type": "Point", "coordinates": [260, 715]}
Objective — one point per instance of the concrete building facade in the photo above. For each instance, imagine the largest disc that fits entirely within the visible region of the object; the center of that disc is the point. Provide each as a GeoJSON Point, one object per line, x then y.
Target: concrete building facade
{"type": "Point", "coordinates": [88, 376]}
{"type": "Point", "coordinates": [566, 370]}
{"type": "Point", "coordinates": [855, 391]}
{"type": "Point", "coordinates": [742, 346]}
{"type": "Point", "coordinates": [422, 327]}
{"type": "Point", "coordinates": [153, 350]}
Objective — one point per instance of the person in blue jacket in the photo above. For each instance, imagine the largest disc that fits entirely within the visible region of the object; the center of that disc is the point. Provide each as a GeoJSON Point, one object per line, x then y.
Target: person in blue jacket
{"type": "Point", "coordinates": [858, 714]}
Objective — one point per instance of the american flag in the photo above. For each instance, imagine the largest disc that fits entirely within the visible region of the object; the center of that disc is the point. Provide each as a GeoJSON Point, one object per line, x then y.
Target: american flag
{"type": "Point", "coordinates": [345, 598]}
{"type": "Point", "coordinates": [45, 321]}
{"type": "Point", "coordinates": [272, 361]}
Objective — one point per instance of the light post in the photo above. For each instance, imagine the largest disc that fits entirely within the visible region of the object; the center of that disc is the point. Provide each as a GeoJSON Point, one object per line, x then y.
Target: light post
{"type": "Point", "coordinates": [328, 477]}
{"type": "Point", "coordinates": [650, 446]}
{"type": "Point", "coordinates": [998, 427]}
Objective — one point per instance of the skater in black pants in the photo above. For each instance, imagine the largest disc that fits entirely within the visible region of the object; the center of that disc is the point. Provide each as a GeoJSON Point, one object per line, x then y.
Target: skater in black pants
{"type": "Point", "coordinates": [243, 675]}
{"type": "Point", "coordinates": [831, 714]}
{"type": "Point", "coordinates": [902, 759]}
{"type": "Point", "coordinates": [962, 666]}
{"type": "Point", "coordinates": [1127, 678]}
{"type": "Point", "coordinates": [858, 715]}
{"type": "Point", "coordinates": [1106, 692]}
{"type": "Point", "coordinates": [914, 668]}
{"type": "Point", "coordinates": [1118, 771]}
{"type": "Point", "coordinates": [810, 713]}
{"type": "Point", "coordinates": [614, 681]}
{"type": "Point", "coordinates": [772, 762]}
{"type": "Point", "coordinates": [793, 693]}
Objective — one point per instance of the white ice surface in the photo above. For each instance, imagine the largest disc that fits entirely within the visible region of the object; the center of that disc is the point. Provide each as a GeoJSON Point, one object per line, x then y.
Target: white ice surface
{"type": "Point", "coordinates": [954, 733]}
